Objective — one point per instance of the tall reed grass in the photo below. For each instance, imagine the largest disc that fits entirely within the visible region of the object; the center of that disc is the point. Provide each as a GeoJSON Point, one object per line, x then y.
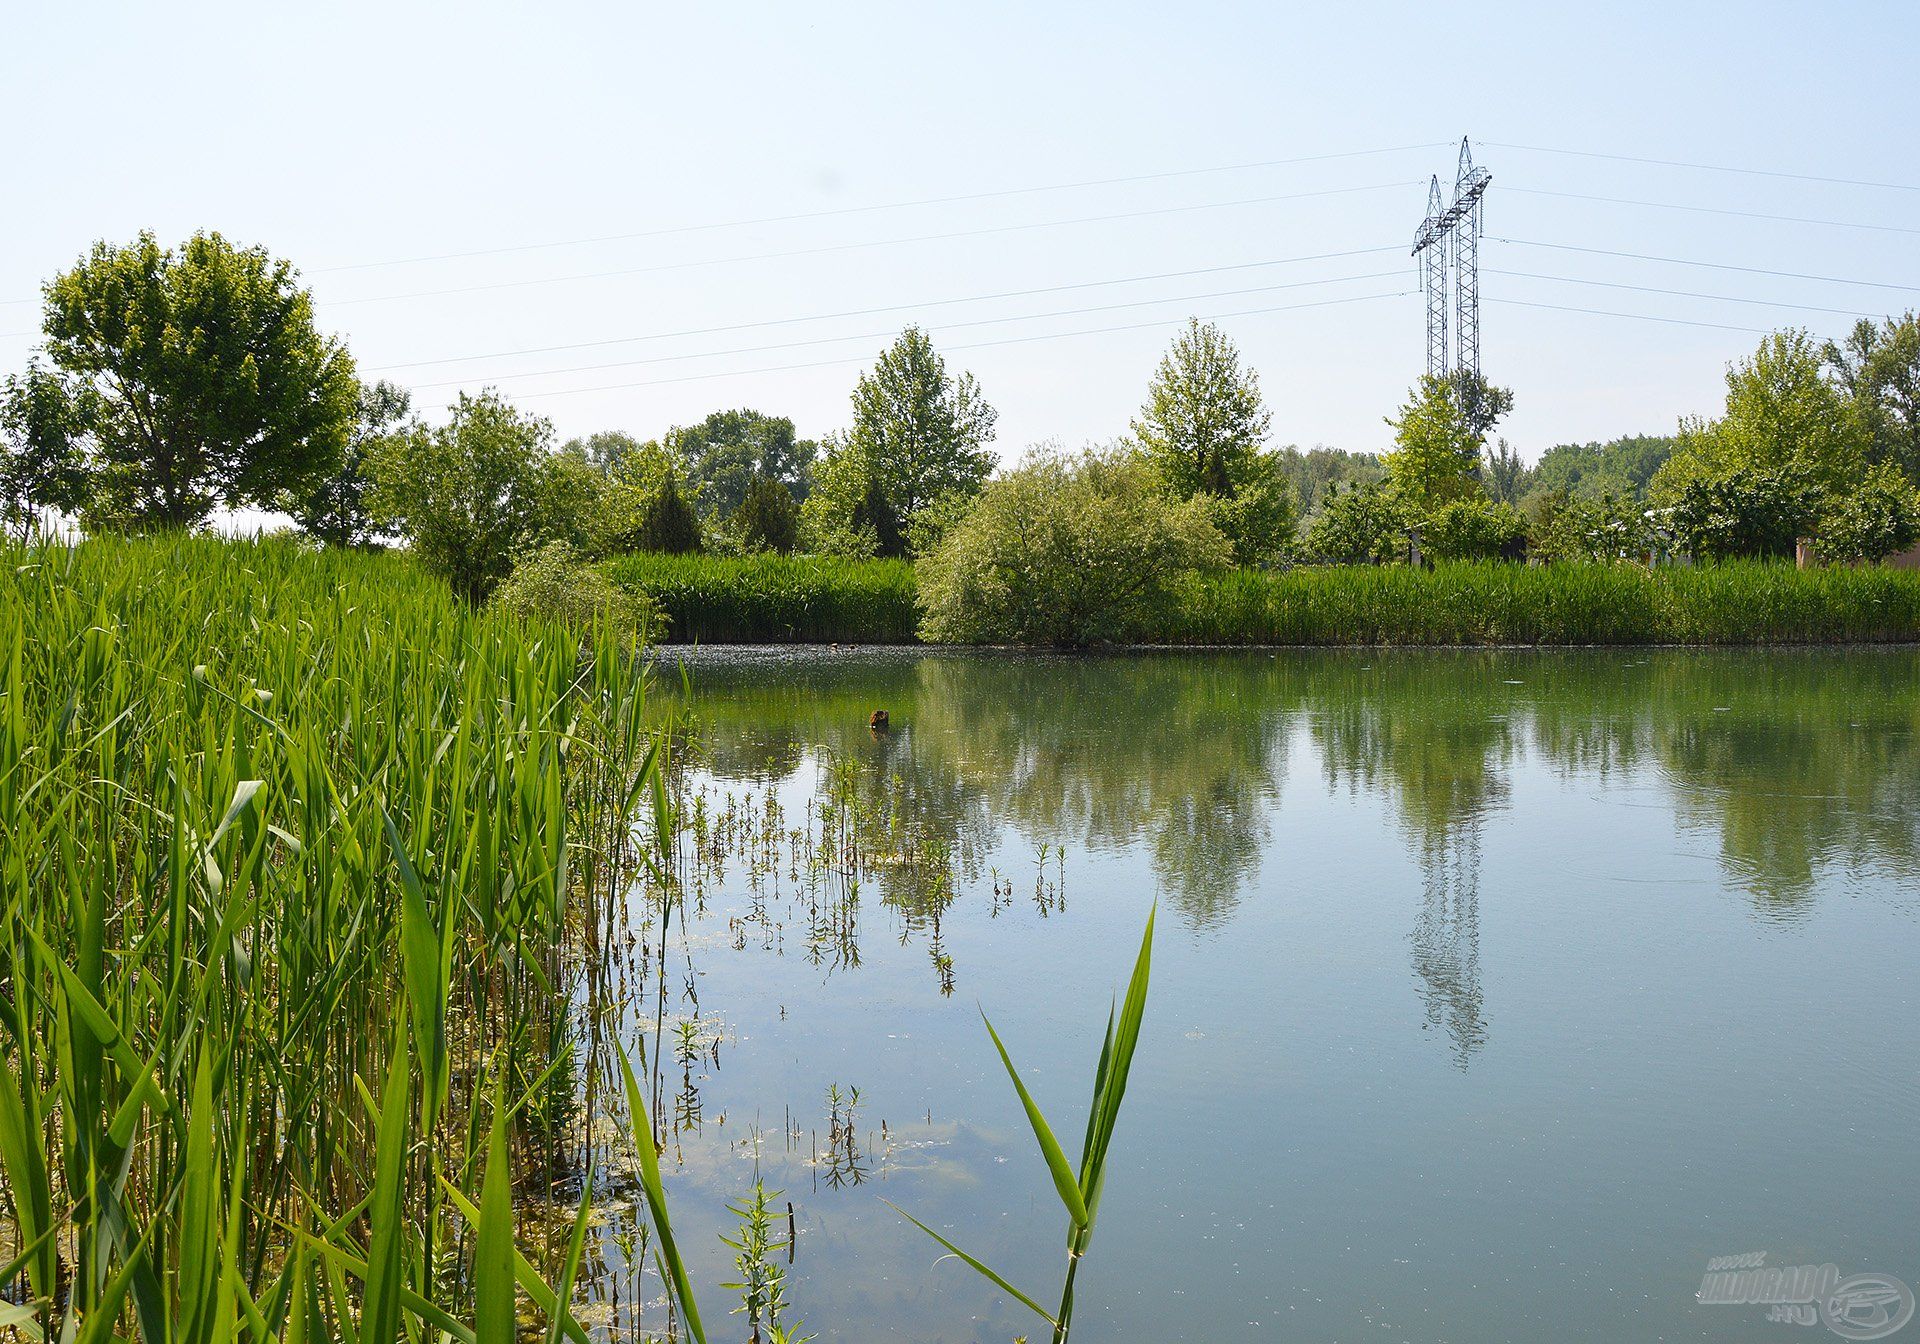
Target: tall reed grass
{"type": "Point", "coordinates": [293, 844]}
{"type": "Point", "coordinates": [816, 599]}
{"type": "Point", "coordinates": [776, 599]}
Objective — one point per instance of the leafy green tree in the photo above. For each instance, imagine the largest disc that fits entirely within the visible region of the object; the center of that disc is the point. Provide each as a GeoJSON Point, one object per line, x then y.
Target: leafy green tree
{"type": "Point", "coordinates": [1782, 411]}
{"type": "Point", "coordinates": [1565, 526]}
{"type": "Point", "coordinates": [43, 466]}
{"type": "Point", "coordinates": [1066, 551]}
{"type": "Point", "coordinates": [1877, 368]}
{"type": "Point", "coordinates": [1473, 528]}
{"type": "Point", "coordinates": [199, 378]}
{"type": "Point", "coordinates": [768, 519]}
{"type": "Point", "coordinates": [918, 432]}
{"type": "Point", "coordinates": [608, 449]}
{"type": "Point", "coordinates": [1436, 453]}
{"type": "Point", "coordinates": [669, 522]}
{"type": "Point", "coordinates": [1202, 428]}
{"type": "Point", "coordinates": [1362, 524]}
{"type": "Point", "coordinates": [1312, 472]}
{"type": "Point", "coordinates": [728, 451]}
{"type": "Point", "coordinates": [1482, 405]}
{"type": "Point", "coordinates": [1591, 471]}
{"type": "Point", "coordinates": [467, 495]}
{"type": "Point", "coordinates": [1745, 510]}
{"type": "Point", "coordinates": [335, 511]}
{"type": "Point", "coordinates": [1879, 517]}
{"type": "Point", "coordinates": [1503, 473]}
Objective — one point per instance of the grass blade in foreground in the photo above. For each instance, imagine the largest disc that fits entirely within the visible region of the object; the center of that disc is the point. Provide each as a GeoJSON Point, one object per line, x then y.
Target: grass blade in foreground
{"type": "Point", "coordinates": [1081, 1197]}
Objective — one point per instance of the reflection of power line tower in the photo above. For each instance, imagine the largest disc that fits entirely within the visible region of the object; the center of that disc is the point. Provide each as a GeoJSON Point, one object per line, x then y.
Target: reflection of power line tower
{"type": "Point", "coordinates": [1446, 941]}
{"type": "Point", "coordinates": [1453, 226]}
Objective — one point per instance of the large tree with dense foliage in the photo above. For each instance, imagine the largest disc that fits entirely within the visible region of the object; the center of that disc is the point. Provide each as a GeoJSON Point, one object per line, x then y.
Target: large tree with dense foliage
{"type": "Point", "coordinates": [1782, 411]}
{"type": "Point", "coordinates": [1066, 550]}
{"type": "Point", "coordinates": [198, 380]}
{"type": "Point", "coordinates": [918, 433]}
{"type": "Point", "coordinates": [335, 510]}
{"type": "Point", "coordinates": [470, 494]}
{"type": "Point", "coordinates": [726, 452]}
{"type": "Point", "coordinates": [1620, 467]}
{"type": "Point", "coordinates": [1203, 427]}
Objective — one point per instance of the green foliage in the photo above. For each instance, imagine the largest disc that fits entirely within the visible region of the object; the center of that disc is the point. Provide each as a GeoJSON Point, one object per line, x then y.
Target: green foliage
{"type": "Point", "coordinates": [918, 434]}
{"type": "Point", "coordinates": [1877, 368]}
{"type": "Point", "coordinates": [43, 431]}
{"type": "Point", "coordinates": [556, 584]}
{"type": "Point", "coordinates": [1313, 473]}
{"type": "Point", "coordinates": [1436, 454]}
{"type": "Point", "coordinates": [1066, 550]}
{"type": "Point", "coordinates": [1743, 511]}
{"type": "Point", "coordinates": [1564, 526]}
{"type": "Point", "coordinates": [1202, 427]}
{"type": "Point", "coordinates": [609, 449]}
{"type": "Point", "coordinates": [1473, 528]}
{"type": "Point", "coordinates": [668, 521]}
{"type": "Point", "coordinates": [1879, 517]}
{"type": "Point", "coordinates": [771, 598]}
{"type": "Point", "coordinates": [1503, 474]}
{"type": "Point", "coordinates": [335, 512]}
{"type": "Point", "coordinates": [1782, 413]}
{"type": "Point", "coordinates": [466, 495]}
{"type": "Point", "coordinates": [768, 518]}
{"type": "Point", "coordinates": [1620, 467]}
{"type": "Point", "coordinates": [1481, 404]}
{"type": "Point", "coordinates": [1362, 525]}
{"type": "Point", "coordinates": [728, 451]}
{"type": "Point", "coordinates": [196, 379]}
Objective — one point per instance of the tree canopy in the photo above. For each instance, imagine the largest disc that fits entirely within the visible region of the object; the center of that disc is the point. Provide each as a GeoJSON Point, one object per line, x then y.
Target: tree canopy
{"type": "Point", "coordinates": [1203, 427]}
{"type": "Point", "coordinates": [726, 452]}
{"type": "Point", "coordinates": [919, 432]}
{"type": "Point", "coordinates": [195, 379]}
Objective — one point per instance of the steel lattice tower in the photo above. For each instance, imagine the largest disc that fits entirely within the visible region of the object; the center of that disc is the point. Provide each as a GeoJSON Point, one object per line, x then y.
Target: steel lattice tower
{"type": "Point", "coordinates": [1469, 185]}
{"type": "Point", "coordinates": [1451, 233]}
{"type": "Point", "coordinates": [1433, 280]}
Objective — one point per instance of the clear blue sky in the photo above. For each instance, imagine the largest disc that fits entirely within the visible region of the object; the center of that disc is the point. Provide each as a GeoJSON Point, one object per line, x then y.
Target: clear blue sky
{"type": "Point", "coordinates": [358, 133]}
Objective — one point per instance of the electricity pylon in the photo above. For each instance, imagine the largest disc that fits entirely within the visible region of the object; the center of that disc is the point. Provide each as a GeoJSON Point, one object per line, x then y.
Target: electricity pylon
{"type": "Point", "coordinates": [1453, 226]}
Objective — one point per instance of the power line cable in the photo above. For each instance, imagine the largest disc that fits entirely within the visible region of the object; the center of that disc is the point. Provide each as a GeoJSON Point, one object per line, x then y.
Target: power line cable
{"type": "Point", "coordinates": [1712, 210]}
{"type": "Point", "coordinates": [1710, 265]}
{"type": "Point", "coordinates": [1677, 293]}
{"type": "Point", "coordinates": [880, 335]}
{"type": "Point", "coordinates": [1638, 317]}
{"type": "Point", "coordinates": [977, 345]}
{"type": "Point", "coordinates": [854, 247]}
{"type": "Point", "coordinates": [1705, 167]}
{"type": "Point", "coordinates": [870, 209]}
{"type": "Point", "coordinates": [892, 308]}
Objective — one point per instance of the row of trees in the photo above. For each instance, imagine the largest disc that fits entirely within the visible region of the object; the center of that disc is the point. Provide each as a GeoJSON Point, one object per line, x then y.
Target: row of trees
{"type": "Point", "coordinates": [174, 382]}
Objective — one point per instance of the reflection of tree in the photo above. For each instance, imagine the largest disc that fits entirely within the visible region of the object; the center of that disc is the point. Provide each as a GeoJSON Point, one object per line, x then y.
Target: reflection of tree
{"type": "Point", "coordinates": [1798, 760]}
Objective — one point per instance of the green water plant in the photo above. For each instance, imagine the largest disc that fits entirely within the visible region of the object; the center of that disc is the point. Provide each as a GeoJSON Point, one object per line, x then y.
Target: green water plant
{"type": "Point", "coordinates": [1079, 1187]}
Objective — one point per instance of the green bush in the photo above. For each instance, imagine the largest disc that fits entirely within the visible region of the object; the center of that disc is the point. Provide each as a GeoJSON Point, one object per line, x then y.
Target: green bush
{"type": "Point", "coordinates": [1473, 528]}
{"type": "Point", "coordinates": [1881, 516]}
{"type": "Point", "coordinates": [555, 583]}
{"type": "Point", "coordinates": [1363, 524]}
{"type": "Point", "coordinates": [1066, 551]}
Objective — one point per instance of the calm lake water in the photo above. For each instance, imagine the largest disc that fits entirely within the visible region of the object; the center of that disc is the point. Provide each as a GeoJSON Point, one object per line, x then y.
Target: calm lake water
{"type": "Point", "coordinates": [1494, 993]}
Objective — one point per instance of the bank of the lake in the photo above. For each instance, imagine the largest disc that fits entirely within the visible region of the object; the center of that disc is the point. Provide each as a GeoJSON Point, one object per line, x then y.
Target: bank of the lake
{"type": "Point", "coordinates": [814, 599]}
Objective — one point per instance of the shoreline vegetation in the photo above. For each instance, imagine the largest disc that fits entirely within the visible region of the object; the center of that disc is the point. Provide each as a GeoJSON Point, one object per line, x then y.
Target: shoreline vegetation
{"type": "Point", "coordinates": [817, 600]}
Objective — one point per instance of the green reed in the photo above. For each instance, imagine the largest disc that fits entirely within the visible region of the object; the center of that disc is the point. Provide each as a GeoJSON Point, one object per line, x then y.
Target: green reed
{"type": "Point", "coordinates": [296, 851]}
{"type": "Point", "coordinates": [775, 599]}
